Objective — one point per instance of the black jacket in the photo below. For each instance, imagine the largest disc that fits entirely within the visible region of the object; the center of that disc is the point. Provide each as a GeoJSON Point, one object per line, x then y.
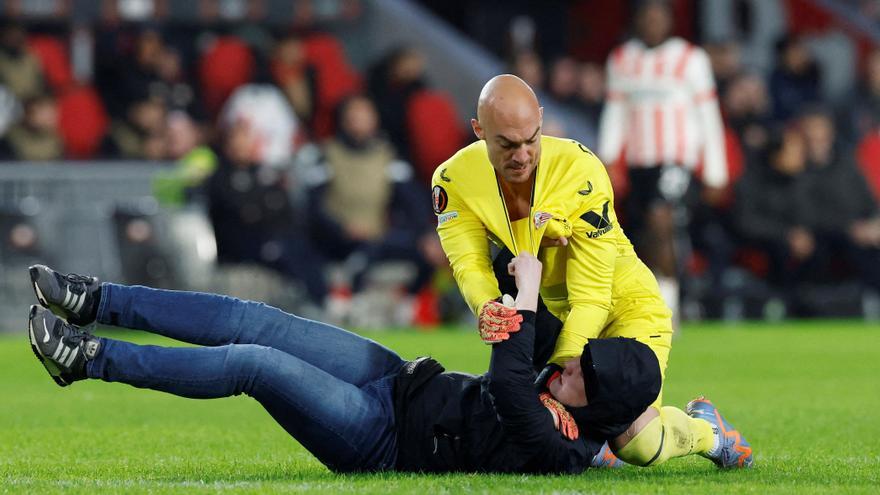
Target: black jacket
{"type": "Point", "coordinates": [622, 375]}
{"type": "Point", "coordinates": [487, 423]}
{"type": "Point", "coordinates": [838, 195]}
{"type": "Point", "coordinates": [769, 204]}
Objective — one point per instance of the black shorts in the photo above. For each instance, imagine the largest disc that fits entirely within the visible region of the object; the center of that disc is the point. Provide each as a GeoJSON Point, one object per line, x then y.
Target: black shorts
{"type": "Point", "coordinates": [659, 185]}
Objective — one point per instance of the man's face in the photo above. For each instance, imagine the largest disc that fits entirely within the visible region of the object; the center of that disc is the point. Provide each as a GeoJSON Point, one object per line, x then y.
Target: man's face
{"type": "Point", "coordinates": [818, 132]}
{"type": "Point", "coordinates": [513, 143]}
{"type": "Point", "coordinates": [568, 388]}
{"type": "Point", "coordinates": [360, 120]}
{"type": "Point", "coordinates": [654, 23]}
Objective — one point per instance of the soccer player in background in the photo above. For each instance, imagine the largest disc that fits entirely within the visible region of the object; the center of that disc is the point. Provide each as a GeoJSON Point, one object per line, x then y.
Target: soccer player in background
{"type": "Point", "coordinates": [662, 114]}
{"type": "Point", "coordinates": [552, 197]}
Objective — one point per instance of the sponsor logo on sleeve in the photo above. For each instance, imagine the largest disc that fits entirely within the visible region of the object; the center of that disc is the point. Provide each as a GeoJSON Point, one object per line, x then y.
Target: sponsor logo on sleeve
{"type": "Point", "coordinates": [601, 223]}
{"type": "Point", "coordinates": [443, 176]}
{"type": "Point", "coordinates": [440, 199]}
{"type": "Point", "coordinates": [446, 217]}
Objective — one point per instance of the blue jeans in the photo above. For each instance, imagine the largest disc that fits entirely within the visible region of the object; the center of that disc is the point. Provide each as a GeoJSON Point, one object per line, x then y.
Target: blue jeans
{"type": "Point", "coordinates": [328, 388]}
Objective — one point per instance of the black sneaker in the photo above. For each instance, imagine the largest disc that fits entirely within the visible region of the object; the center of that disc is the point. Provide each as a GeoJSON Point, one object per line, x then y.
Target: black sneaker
{"type": "Point", "coordinates": [72, 297]}
{"type": "Point", "coordinates": [62, 348]}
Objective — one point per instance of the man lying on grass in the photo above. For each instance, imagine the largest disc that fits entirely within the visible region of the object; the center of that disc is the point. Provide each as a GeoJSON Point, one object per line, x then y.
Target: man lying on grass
{"type": "Point", "coordinates": [354, 404]}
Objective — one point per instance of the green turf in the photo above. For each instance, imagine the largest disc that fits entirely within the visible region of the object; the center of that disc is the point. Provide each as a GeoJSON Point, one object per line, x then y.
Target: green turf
{"type": "Point", "coordinates": [806, 395]}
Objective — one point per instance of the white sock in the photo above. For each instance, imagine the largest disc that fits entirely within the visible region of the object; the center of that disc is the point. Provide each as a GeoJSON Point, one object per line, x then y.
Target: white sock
{"type": "Point", "coordinates": [669, 292]}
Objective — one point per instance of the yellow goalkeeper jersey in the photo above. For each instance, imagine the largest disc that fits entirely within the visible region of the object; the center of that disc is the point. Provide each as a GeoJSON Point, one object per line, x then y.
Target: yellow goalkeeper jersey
{"type": "Point", "coordinates": [596, 285]}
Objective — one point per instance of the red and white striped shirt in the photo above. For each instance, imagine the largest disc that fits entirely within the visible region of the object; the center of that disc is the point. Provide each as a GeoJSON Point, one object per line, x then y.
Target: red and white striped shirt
{"type": "Point", "coordinates": [662, 109]}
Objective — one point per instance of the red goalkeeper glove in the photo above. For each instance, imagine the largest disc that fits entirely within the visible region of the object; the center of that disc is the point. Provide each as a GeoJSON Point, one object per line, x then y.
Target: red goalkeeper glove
{"type": "Point", "coordinates": [498, 320]}
{"type": "Point", "coordinates": [561, 417]}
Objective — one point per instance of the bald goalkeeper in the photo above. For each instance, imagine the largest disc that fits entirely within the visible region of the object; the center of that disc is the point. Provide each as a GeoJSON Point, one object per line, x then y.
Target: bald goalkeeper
{"type": "Point", "coordinates": [552, 197]}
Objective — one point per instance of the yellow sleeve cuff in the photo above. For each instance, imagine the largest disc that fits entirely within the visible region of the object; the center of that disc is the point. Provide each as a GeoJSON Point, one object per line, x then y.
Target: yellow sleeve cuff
{"type": "Point", "coordinates": [585, 321]}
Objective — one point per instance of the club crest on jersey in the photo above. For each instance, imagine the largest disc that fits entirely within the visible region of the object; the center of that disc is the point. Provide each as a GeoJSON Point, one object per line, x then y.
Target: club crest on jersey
{"type": "Point", "coordinates": [440, 199]}
{"type": "Point", "coordinates": [541, 218]}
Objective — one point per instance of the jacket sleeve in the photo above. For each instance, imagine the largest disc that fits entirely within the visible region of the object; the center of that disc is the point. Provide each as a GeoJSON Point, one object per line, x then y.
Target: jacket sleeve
{"type": "Point", "coordinates": [592, 254]}
{"type": "Point", "coordinates": [526, 422]}
{"type": "Point", "coordinates": [466, 244]}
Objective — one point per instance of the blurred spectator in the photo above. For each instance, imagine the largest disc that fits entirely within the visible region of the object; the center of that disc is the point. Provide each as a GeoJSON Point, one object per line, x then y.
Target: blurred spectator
{"type": "Point", "coordinates": [195, 161]}
{"type": "Point", "coordinates": [365, 206]}
{"type": "Point", "coordinates": [172, 85]}
{"type": "Point", "coordinates": [263, 108]}
{"type": "Point", "coordinates": [294, 76]}
{"type": "Point", "coordinates": [392, 83]}
{"type": "Point", "coordinates": [725, 57]}
{"type": "Point", "coordinates": [564, 80]}
{"type": "Point", "coordinates": [528, 66]}
{"type": "Point", "coordinates": [862, 113]}
{"type": "Point", "coordinates": [36, 137]}
{"type": "Point", "coordinates": [795, 81]}
{"type": "Point", "coordinates": [591, 92]}
{"type": "Point", "coordinates": [127, 67]}
{"type": "Point", "coordinates": [253, 218]}
{"type": "Point", "coordinates": [746, 105]}
{"type": "Point", "coordinates": [841, 213]}
{"type": "Point", "coordinates": [141, 135]}
{"type": "Point", "coordinates": [769, 207]}
{"type": "Point", "coordinates": [20, 71]}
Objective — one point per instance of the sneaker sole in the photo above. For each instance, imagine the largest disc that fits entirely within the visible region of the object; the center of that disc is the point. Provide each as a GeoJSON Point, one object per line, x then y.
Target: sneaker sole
{"type": "Point", "coordinates": [36, 350]}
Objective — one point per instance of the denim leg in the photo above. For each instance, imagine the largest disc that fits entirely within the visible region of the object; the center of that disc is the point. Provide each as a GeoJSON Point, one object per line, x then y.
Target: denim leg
{"type": "Point", "coordinates": [346, 427]}
{"type": "Point", "coordinates": [214, 320]}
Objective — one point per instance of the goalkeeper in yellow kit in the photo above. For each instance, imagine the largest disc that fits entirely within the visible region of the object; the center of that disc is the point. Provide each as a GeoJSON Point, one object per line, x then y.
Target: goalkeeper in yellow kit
{"type": "Point", "coordinates": [552, 197]}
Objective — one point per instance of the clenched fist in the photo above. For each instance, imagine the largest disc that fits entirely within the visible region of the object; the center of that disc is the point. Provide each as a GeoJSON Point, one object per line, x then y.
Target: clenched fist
{"type": "Point", "coordinates": [498, 320]}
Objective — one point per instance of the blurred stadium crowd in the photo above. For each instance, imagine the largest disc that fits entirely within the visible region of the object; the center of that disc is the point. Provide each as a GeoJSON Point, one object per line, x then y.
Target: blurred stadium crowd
{"type": "Point", "coordinates": [304, 162]}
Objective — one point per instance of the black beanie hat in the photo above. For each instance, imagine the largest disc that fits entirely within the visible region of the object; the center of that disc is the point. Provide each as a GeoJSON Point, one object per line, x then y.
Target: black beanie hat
{"type": "Point", "coordinates": [621, 379]}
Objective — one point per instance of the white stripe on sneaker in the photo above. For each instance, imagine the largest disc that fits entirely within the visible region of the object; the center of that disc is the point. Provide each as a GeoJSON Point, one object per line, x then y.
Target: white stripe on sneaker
{"type": "Point", "coordinates": [67, 297]}
{"type": "Point", "coordinates": [58, 351]}
{"type": "Point", "coordinates": [64, 355]}
{"type": "Point", "coordinates": [79, 304]}
{"type": "Point", "coordinates": [69, 304]}
{"type": "Point", "coordinates": [72, 358]}
{"type": "Point", "coordinates": [73, 301]}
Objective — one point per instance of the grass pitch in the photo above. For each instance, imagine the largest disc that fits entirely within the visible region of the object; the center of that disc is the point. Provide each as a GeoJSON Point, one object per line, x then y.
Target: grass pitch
{"type": "Point", "coordinates": [806, 395]}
